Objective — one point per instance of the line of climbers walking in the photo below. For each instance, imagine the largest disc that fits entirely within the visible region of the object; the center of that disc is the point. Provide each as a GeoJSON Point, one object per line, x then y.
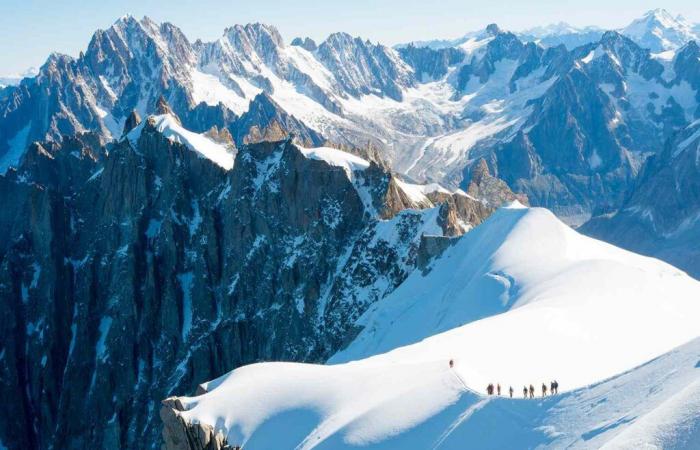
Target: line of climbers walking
{"type": "Point", "coordinates": [553, 387]}
{"type": "Point", "coordinates": [527, 392]}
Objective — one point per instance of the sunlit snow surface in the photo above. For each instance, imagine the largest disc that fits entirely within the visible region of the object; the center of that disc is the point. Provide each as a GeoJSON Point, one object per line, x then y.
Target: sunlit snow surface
{"type": "Point", "coordinates": [521, 299]}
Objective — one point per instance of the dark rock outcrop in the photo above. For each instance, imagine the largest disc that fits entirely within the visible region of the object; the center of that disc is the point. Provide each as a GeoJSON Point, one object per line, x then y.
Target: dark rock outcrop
{"type": "Point", "coordinates": [179, 434]}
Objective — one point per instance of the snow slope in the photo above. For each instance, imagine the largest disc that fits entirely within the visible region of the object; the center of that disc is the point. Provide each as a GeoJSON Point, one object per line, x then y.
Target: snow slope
{"type": "Point", "coordinates": [521, 299]}
{"type": "Point", "coordinates": [559, 292]}
{"type": "Point", "coordinates": [171, 129]}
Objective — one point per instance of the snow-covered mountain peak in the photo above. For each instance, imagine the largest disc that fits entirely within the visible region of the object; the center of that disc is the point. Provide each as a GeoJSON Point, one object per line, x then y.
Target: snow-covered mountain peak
{"type": "Point", "coordinates": [125, 21]}
{"type": "Point", "coordinates": [659, 31]}
{"type": "Point", "coordinates": [261, 37]}
{"type": "Point", "coordinates": [555, 29]}
{"type": "Point", "coordinates": [660, 16]}
{"type": "Point", "coordinates": [55, 59]}
{"type": "Point", "coordinates": [348, 162]}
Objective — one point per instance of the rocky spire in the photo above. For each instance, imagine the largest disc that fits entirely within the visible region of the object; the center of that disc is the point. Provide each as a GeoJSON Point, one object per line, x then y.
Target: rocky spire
{"type": "Point", "coordinates": [162, 107]}
{"type": "Point", "coordinates": [480, 172]}
{"type": "Point", "coordinates": [491, 189]}
{"type": "Point", "coordinates": [306, 43]}
{"type": "Point", "coordinates": [131, 122]}
{"type": "Point", "coordinates": [222, 136]}
{"type": "Point", "coordinates": [493, 29]}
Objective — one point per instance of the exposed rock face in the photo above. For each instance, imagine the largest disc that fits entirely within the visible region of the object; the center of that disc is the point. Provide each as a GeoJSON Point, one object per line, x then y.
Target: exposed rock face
{"type": "Point", "coordinates": [493, 190]}
{"type": "Point", "coordinates": [222, 136]}
{"type": "Point", "coordinates": [162, 107]}
{"type": "Point", "coordinates": [179, 434]}
{"type": "Point", "coordinates": [124, 269]}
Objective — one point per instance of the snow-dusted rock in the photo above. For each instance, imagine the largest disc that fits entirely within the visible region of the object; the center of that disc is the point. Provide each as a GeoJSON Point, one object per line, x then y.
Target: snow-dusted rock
{"type": "Point", "coordinates": [126, 266]}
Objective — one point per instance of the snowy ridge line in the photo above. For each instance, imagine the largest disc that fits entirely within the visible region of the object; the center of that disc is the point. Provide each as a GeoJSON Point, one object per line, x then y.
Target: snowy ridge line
{"type": "Point", "coordinates": [389, 387]}
{"type": "Point", "coordinates": [466, 388]}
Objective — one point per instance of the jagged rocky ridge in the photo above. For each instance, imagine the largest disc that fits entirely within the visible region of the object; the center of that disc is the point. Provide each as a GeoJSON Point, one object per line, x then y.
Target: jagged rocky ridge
{"type": "Point", "coordinates": [135, 270]}
{"type": "Point", "coordinates": [568, 127]}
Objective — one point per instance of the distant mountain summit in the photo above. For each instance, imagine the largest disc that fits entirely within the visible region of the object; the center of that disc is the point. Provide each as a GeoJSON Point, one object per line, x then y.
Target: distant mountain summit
{"type": "Point", "coordinates": [659, 31]}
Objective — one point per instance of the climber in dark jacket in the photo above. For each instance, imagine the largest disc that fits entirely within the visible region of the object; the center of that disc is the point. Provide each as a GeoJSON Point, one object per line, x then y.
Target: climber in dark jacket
{"type": "Point", "coordinates": [532, 391]}
{"type": "Point", "coordinates": [525, 391]}
{"type": "Point", "coordinates": [544, 389]}
{"type": "Point", "coordinates": [511, 391]}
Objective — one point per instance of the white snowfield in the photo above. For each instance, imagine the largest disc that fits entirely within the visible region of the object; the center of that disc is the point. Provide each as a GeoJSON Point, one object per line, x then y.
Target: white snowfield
{"type": "Point", "coordinates": [522, 299]}
{"type": "Point", "coordinates": [171, 129]}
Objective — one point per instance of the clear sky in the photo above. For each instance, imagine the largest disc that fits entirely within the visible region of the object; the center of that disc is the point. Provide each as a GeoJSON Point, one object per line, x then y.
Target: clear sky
{"type": "Point", "coordinates": [31, 29]}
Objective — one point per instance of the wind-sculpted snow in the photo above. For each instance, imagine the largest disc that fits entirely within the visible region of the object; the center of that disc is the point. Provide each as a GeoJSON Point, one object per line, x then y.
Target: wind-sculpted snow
{"type": "Point", "coordinates": [427, 406]}
{"type": "Point", "coordinates": [520, 300]}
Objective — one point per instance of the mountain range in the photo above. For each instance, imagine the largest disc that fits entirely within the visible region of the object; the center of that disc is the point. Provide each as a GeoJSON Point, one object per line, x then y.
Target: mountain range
{"type": "Point", "coordinates": [174, 210]}
{"type": "Point", "coordinates": [431, 114]}
{"type": "Point", "coordinates": [657, 30]}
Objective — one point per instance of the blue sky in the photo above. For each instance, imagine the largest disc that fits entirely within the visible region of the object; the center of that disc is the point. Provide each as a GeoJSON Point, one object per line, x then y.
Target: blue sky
{"type": "Point", "coordinates": [31, 29]}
